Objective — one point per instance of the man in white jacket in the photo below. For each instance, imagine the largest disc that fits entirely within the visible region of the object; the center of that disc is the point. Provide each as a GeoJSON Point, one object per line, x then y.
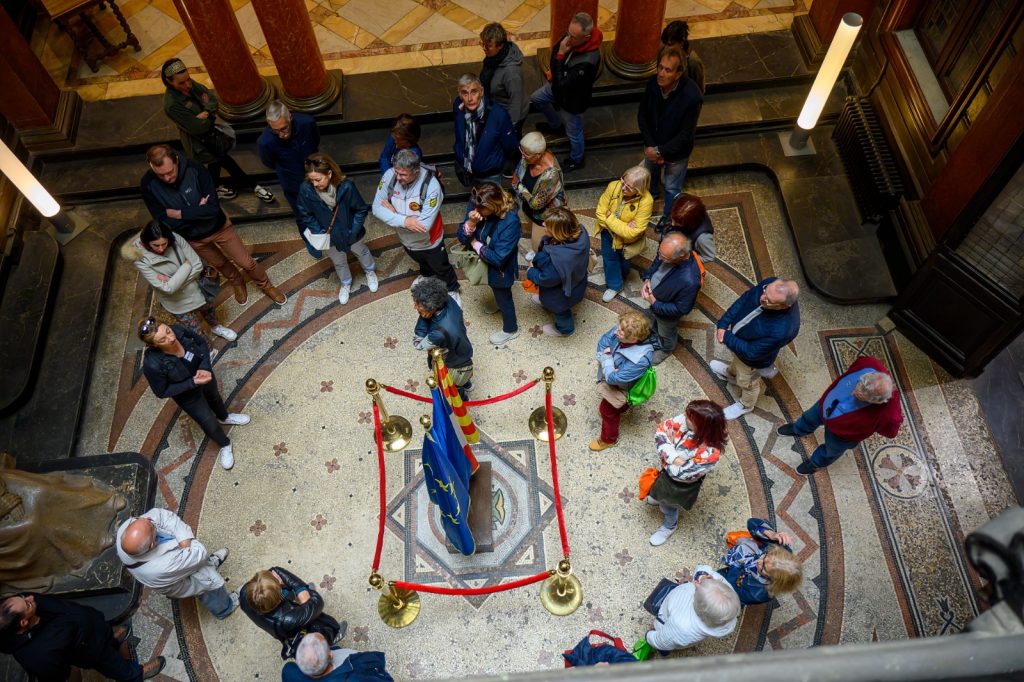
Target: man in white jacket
{"type": "Point", "coordinates": [161, 552]}
{"type": "Point", "coordinates": [704, 607]}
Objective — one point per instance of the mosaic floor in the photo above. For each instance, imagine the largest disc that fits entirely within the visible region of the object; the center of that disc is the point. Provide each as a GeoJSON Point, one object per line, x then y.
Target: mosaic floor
{"type": "Point", "coordinates": [878, 532]}
{"type": "Point", "coordinates": [362, 36]}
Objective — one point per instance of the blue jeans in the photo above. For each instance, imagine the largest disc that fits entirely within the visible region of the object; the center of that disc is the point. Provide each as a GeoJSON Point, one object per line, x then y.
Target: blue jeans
{"type": "Point", "coordinates": [616, 267]}
{"type": "Point", "coordinates": [564, 322]}
{"type": "Point", "coordinates": [217, 602]}
{"type": "Point", "coordinates": [671, 515]}
{"type": "Point", "coordinates": [675, 173]}
{"type": "Point", "coordinates": [503, 297]}
{"type": "Point", "coordinates": [544, 99]}
{"type": "Point", "coordinates": [833, 448]}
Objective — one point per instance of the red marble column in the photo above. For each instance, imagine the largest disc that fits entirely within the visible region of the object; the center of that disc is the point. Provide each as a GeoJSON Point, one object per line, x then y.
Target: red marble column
{"type": "Point", "coordinates": [215, 32]}
{"type": "Point", "coordinates": [562, 12]}
{"type": "Point", "coordinates": [44, 115]}
{"type": "Point", "coordinates": [306, 84]}
{"type": "Point", "coordinates": [637, 38]}
{"type": "Point", "coordinates": [814, 31]}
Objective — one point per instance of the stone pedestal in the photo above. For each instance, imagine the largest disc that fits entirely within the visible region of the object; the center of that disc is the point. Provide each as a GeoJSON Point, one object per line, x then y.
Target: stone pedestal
{"type": "Point", "coordinates": [814, 31]}
{"type": "Point", "coordinates": [306, 85]}
{"type": "Point", "coordinates": [634, 53]}
{"type": "Point", "coordinates": [214, 30]}
{"type": "Point", "coordinates": [481, 521]}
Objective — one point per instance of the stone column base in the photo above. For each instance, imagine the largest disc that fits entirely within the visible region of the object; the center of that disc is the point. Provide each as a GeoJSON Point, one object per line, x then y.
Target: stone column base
{"type": "Point", "coordinates": [624, 69]}
{"type": "Point", "coordinates": [811, 48]}
{"type": "Point", "coordinates": [249, 110]}
{"type": "Point", "coordinates": [62, 132]}
{"type": "Point", "coordinates": [316, 103]}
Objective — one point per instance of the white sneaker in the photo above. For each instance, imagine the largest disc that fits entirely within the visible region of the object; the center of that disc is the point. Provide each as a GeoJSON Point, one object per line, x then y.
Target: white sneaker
{"type": "Point", "coordinates": [218, 558]}
{"type": "Point", "coordinates": [501, 338]}
{"type": "Point", "coordinates": [264, 194]}
{"type": "Point", "coordinates": [456, 297]}
{"type": "Point", "coordinates": [662, 535]}
{"type": "Point", "coordinates": [213, 353]}
{"type": "Point", "coordinates": [609, 295]}
{"type": "Point", "coordinates": [720, 369]}
{"type": "Point", "coordinates": [372, 283]}
{"type": "Point", "coordinates": [224, 333]}
{"type": "Point", "coordinates": [227, 457]}
{"type": "Point", "coordinates": [236, 419]}
{"type": "Point", "coordinates": [736, 410]}
{"type": "Point", "coordinates": [768, 372]}
{"type": "Point", "coordinates": [225, 192]}
{"type": "Point", "coordinates": [343, 293]}
{"type": "Point", "coordinates": [530, 255]}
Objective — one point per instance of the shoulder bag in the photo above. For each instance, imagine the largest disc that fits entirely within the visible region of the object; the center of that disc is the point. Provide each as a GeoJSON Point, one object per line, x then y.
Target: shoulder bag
{"type": "Point", "coordinates": [321, 241]}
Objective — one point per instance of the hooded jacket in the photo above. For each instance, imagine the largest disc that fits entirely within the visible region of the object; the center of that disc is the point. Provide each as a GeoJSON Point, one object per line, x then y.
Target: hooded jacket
{"type": "Point", "coordinates": [180, 294]}
{"type": "Point", "coordinates": [497, 138]}
{"type": "Point", "coordinates": [311, 213]}
{"type": "Point", "coordinates": [193, 184]}
{"type": "Point", "coordinates": [624, 365]}
{"type": "Point", "coordinates": [573, 73]}
{"type": "Point", "coordinates": [560, 270]}
{"type": "Point", "coordinates": [506, 87]}
{"type": "Point", "coordinates": [447, 329]}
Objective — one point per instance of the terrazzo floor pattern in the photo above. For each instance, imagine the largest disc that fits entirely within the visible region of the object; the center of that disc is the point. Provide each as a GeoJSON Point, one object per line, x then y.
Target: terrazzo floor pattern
{"type": "Point", "coordinates": [879, 532]}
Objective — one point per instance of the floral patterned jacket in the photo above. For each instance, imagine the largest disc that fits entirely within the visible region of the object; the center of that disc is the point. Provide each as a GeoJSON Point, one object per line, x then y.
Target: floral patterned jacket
{"type": "Point", "coordinates": [675, 442]}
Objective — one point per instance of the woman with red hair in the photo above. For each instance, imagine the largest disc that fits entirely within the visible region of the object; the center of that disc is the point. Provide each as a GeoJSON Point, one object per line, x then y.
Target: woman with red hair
{"type": "Point", "coordinates": [690, 446]}
{"type": "Point", "coordinates": [690, 217]}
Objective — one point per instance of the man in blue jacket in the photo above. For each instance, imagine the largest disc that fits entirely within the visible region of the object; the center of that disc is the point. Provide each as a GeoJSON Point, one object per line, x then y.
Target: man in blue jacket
{"type": "Point", "coordinates": [283, 146]}
{"type": "Point", "coordinates": [671, 286]}
{"type": "Point", "coordinates": [755, 328]}
{"type": "Point", "coordinates": [484, 134]}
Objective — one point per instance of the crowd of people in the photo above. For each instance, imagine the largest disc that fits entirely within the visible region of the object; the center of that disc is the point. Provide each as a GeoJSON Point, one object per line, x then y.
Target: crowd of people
{"type": "Point", "coordinates": [513, 180]}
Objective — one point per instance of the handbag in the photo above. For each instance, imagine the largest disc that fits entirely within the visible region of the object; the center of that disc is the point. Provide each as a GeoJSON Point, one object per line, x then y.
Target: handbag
{"type": "Point", "coordinates": [653, 602]}
{"type": "Point", "coordinates": [585, 653]}
{"type": "Point", "coordinates": [647, 479]}
{"type": "Point", "coordinates": [734, 536]}
{"type": "Point", "coordinates": [467, 260]}
{"type": "Point", "coordinates": [220, 140]}
{"type": "Point", "coordinates": [209, 283]}
{"type": "Point", "coordinates": [642, 390]}
{"type": "Point", "coordinates": [321, 241]}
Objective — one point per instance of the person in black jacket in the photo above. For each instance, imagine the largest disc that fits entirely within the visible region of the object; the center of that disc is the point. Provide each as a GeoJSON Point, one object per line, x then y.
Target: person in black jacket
{"type": "Point", "coordinates": [667, 118]}
{"type": "Point", "coordinates": [671, 286]}
{"type": "Point", "coordinates": [47, 636]}
{"type": "Point", "coordinates": [441, 325]}
{"type": "Point", "coordinates": [177, 365]}
{"type": "Point", "coordinates": [287, 608]}
{"type": "Point", "coordinates": [573, 70]}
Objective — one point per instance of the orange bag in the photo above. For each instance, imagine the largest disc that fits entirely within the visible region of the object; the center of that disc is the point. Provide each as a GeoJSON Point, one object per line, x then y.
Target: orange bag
{"type": "Point", "coordinates": [530, 288]}
{"type": "Point", "coordinates": [647, 479]}
{"type": "Point", "coordinates": [734, 536]}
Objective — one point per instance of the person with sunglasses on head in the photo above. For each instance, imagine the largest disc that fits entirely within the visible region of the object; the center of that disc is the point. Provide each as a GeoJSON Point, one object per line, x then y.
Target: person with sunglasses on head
{"type": "Point", "coordinates": [48, 635]}
{"type": "Point", "coordinates": [492, 229]}
{"type": "Point", "coordinates": [177, 365]}
{"type": "Point", "coordinates": [537, 184]}
{"type": "Point", "coordinates": [173, 268]}
{"type": "Point", "coordinates": [330, 203]}
{"type": "Point", "coordinates": [863, 401]}
{"type": "Point", "coordinates": [622, 214]}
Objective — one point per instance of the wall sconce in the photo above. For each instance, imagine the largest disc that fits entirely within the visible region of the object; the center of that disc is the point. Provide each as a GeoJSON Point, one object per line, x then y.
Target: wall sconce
{"type": "Point", "coordinates": [31, 189]}
{"type": "Point", "coordinates": [827, 76]}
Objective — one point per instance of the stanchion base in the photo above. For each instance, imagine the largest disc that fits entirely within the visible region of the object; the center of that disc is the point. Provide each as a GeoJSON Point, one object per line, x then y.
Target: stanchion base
{"type": "Point", "coordinates": [561, 594]}
{"type": "Point", "coordinates": [402, 613]}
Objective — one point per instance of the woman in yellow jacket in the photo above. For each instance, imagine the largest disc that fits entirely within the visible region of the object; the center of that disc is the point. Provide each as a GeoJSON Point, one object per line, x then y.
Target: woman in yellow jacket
{"type": "Point", "coordinates": [622, 215]}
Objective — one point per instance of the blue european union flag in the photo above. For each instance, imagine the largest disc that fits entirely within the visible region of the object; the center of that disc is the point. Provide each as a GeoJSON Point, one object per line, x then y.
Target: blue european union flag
{"type": "Point", "coordinates": [446, 471]}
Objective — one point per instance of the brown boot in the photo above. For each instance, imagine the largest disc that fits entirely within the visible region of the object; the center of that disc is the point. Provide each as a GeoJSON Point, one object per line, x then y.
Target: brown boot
{"type": "Point", "coordinates": [241, 294]}
{"type": "Point", "coordinates": [153, 666]}
{"type": "Point", "coordinates": [275, 295]}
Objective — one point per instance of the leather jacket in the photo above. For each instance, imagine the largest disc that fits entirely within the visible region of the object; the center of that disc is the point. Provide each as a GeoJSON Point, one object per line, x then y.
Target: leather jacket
{"type": "Point", "coordinates": [290, 617]}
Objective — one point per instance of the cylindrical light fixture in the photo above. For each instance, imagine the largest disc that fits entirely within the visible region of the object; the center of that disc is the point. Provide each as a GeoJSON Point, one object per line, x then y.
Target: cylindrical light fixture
{"type": "Point", "coordinates": [832, 65]}
{"type": "Point", "coordinates": [13, 168]}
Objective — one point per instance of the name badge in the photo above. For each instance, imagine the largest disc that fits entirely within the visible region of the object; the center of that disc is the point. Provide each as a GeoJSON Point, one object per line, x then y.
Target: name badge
{"type": "Point", "coordinates": [188, 356]}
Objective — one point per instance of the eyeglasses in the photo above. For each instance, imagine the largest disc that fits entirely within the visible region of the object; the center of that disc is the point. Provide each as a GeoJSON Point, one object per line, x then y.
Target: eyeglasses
{"type": "Point", "coordinates": [626, 187]}
{"type": "Point", "coordinates": [148, 325]}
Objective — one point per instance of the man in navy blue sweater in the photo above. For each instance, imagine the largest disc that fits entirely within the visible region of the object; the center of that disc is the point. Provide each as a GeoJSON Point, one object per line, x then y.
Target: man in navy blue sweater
{"type": "Point", "coordinates": [671, 286]}
{"type": "Point", "coordinates": [755, 328]}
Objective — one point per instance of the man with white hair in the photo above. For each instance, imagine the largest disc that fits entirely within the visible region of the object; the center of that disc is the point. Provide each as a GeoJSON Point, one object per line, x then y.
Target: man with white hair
{"type": "Point", "coordinates": [703, 607]}
{"type": "Point", "coordinates": [283, 146]}
{"type": "Point", "coordinates": [315, 659]}
{"type": "Point", "coordinates": [860, 403]}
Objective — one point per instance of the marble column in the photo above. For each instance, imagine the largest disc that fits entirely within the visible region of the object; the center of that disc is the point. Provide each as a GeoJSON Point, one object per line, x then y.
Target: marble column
{"type": "Point", "coordinates": [214, 30]}
{"type": "Point", "coordinates": [634, 53]}
{"type": "Point", "coordinates": [814, 31]}
{"type": "Point", "coordinates": [45, 116]}
{"type": "Point", "coordinates": [562, 12]}
{"type": "Point", "coordinates": [306, 85]}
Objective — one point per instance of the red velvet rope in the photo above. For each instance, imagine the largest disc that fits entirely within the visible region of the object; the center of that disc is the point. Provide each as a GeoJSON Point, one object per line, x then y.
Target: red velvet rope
{"type": "Point", "coordinates": [554, 474]}
{"type": "Point", "coordinates": [381, 485]}
{"type": "Point", "coordinates": [468, 403]}
{"type": "Point", "coordinates": [434, 589]}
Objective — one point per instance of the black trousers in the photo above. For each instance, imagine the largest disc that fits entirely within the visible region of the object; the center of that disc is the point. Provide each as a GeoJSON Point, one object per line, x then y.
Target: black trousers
{"type": "Point", "coordinates": [205, 406]}
{"type": "Point", "coordinates": [239, 178]}
{"type": "Point", "coordinates": [434, 263]}
{"type": "Point", "coordinates": [111, 664]}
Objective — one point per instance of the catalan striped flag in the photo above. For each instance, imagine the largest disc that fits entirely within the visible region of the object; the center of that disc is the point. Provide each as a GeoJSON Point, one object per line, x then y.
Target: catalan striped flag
{"type": "Point", "coordinates": [465, 428]}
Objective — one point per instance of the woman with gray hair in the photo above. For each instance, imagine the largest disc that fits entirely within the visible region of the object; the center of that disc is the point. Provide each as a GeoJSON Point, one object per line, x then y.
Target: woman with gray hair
{"type": "Point", "coordinates": [704, 606]}
{"type": "Point", "coordinates": [537, 184]}
{"type": "Point", "coordinates": [316, 659]}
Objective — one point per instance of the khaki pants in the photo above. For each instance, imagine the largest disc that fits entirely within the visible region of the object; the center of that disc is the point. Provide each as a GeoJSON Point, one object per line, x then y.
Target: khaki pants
{"type": "Point", "coordinates": [225, 244]}
{"type": "Point", "coordinates": [748, 380]}
{"type": "Point", "coordinates": [613, 394]}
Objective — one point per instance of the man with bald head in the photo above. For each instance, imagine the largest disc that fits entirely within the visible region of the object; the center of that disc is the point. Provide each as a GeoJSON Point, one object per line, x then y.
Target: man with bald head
{"type": "Point", "coordinates": [161, 552]}
{"type": "Point", "coordinates": [671, 285]}
{"type": "Point", "coordinates": [860, 403]}
{"type": "Point", "coordinates": [755, 328]}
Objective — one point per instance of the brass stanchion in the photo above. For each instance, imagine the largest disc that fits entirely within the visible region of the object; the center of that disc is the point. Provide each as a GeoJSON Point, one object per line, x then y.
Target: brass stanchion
{"type": "Point", "coordinates": [397, 608]}
{"type": "Point", "coordinates": [562, 593]}
{"type": "Point", "coordinates": [395, 430]}
{"type": "Point", "coordinates": [538, 422]}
